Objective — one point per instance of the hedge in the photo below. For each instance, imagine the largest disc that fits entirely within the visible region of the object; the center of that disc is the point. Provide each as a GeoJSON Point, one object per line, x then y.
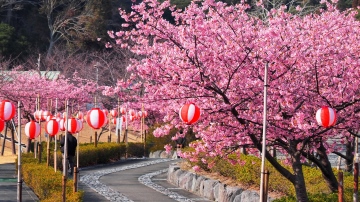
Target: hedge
{"type": "Point", "coordinates": [47, 184]}
{"type": "Point", "coordinates": [247, 172]}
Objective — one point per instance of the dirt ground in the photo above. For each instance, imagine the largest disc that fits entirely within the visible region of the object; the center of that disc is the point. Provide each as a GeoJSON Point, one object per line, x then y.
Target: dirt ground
{"type": "Point", "coordinates": [85, 136]}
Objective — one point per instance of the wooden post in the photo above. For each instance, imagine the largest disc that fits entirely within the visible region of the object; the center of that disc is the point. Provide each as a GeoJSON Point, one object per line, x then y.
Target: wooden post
{"type": "Point", "coordinates": [75, 179]}
{"type": "Point", "coordinates": [55, 146]}
{"type": "Point", "coordinates": [126, 143]}
{"type": "Point", "coordinates": [145, 143]}
{"type": "Point", "coordinates": [35, 148]}
{"type": "Point", "coordinates": [13, 139]}
{"type": "Point", "coordinates": [95, 139]}
{"type": "Point", "coordinates": [266, 185]}
{"type": "Point", "coordinates": [39, 151]}
{"type": "Point", "coordinates": [28, 145]}
{"type": "Point", "coordinates": [3, 145]}
{"type": "Point", "coordinates": [19, 179]}
{"type": "Point", "coordinates": [356, 182]}
{"type": "Point", "coordinates": [118, 137]}
{"type": "Point", "coordinates": [340, 187]}
{"type": "Point", "coordinates": [63, 188]}
{"type": "Point", "coordinates": [90, 139]}
{"type": "Point", "coordinates": [48, 151]}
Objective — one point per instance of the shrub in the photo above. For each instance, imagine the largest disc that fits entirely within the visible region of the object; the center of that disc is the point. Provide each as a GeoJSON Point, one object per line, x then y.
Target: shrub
{"type": "Point", "coordinates": [247, 172]}
{"type": "Point", "coordinates": [46, 183]}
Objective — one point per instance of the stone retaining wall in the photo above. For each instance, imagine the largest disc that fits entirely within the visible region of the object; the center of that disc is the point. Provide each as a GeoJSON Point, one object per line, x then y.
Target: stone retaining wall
{"type": "Point", "coordinates": [208, 188]}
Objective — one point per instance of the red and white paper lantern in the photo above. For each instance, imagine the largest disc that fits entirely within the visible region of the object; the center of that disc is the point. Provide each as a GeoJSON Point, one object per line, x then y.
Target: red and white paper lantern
{"type": "Point", "coordinates": [2, 125]}
{"type": "Point", "coordinates": [71, 125]}
{"type": "Point", "coordinates": [189, 113]}
{"type": "Point", "coordinates": [44, 115]}
{"type": "Point", "coordinates": [37, 115]}
{"type": "Point", "coordinates": [52, 127]}
{"type": "Point", "coordinates": [326, 117]}
{"type": "Point", "coordinates": [32, 130]}
{"type": "Point", "coordinates": [132, 112]}
{"type": "Point", "coordinates": [7, 110]}
{"type": "Point", "coordinates": [122, 110]}
{"type": "Point", "coordinates": [80, 125]}
{"type": "Point", "coordinates": [95, 118]}
{"type": "Point", "coordinates": [58, 115]}
{"type": "Point", "coordinates": [80, 116]}
{"type": "Point", "coordinates": [114, 121]}
{"type": "Point", "coordinates": [106, 112]}
{"type": "Point", "coordinates": [131, 118]}
{"type": "Point", "coordinates": [48, 118]}
{"type": "Point", "coordinates": [61, 124]}
{"type": "Point", "coordinates": [113, 113]}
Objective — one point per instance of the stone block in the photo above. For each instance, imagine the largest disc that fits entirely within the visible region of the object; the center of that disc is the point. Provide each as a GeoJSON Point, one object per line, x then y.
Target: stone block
{"type": "Point", "coordinates": [209, 186]}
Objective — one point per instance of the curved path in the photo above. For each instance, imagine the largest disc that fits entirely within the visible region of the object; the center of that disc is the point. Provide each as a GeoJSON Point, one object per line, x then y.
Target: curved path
{"type": "Point", "coordinates": [132, 180]}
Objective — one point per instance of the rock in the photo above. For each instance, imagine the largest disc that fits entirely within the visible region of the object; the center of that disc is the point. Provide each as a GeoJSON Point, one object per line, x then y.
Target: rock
{"type": "Point", "coordinates": [177, 176]}
{"type": "Point", "coordinates": [156, 154]}
{"type": "Point", "coordinates": [248, 196]}
{"type": "Point", "coordinates": [186, 181]}
{"type": "Point", "coordinates": [231, 193]}
{"type": "Point", "coordinates": [165, 155]}
{"type": "Point", "coordinates": [195, 187]}
{"type": "Point", "coordinates": [209, 189]}
{"type": "Point", "coordinates": [218, 189]}
{"type": "Point", "coordinates": [171, 172]}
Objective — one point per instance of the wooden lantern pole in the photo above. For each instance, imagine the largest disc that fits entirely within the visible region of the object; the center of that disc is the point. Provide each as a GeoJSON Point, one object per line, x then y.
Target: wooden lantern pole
{"type": "Point", "coordinates": [19, 180]}
{"type": "Point", "coordinates": [65, 161]}
{"type": "Point", "coordinates": [39, 144]}
{"type": "Point", "coordinates": [55, 148]}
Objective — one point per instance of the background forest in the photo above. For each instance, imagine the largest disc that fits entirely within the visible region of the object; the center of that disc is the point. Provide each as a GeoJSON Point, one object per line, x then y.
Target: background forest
{"type": "Point", "coordinates": [72, 35]}
{"type": "Point", "coordinates": [29, 27]}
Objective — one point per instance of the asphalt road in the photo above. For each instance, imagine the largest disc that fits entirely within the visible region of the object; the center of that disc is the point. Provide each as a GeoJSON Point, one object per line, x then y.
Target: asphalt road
{"type": "Point", "coordinates": [132, 180]}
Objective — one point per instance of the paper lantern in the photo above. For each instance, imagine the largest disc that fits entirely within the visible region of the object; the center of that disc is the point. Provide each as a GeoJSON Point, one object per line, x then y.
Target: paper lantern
{"type": "Point", "coordinates": [189, 113]}
{"type": "Point", "coordinates": [144, 114]}
{"type": "Point", "coordinates": [48, 118]}
{"type": "Point", "coordinates": [80, 116]}
{"type": "Point", "coordinates": [106, 112]}
{"type": "Point", "coordinates": [326, 117]}
{"type": "Point", "coordinates": [61, 124]}
{"type": "Point", "coordinates": [32, 130]}
{"type": "Point", "coordinates": [122, 110]}
{"type": "Point", "coordinates": [113, 113]}
{"type": "Point", "coordinates": [131, 118]}
{"type": "Point", "coordinates": [95, 118]}
{"type": "Point", "coordinates": [2, 125]}
{"type": "Point", "coordinates": [64, 115]}
{"type": "Point", "coordinates": [71, 125]}
{"type": "Point", "coordinates": [80, 125]}
{"type": "Point", "coordinates": [52, 127]}
{"type": "Point", "coordinates": [114, 121]}
{"type": "Point", "coordinates": [58, 115]}
{"type": "Point", "coordinates": [37, 115]}
{"type": "Point", "coordinates": [132, 112]}
{"type": "Point", "coordinates": [44, 115]}
{"type": "Point", "coordinates": [7, 110]}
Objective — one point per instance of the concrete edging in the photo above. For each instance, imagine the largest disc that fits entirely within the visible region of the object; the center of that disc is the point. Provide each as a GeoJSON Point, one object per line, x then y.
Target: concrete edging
{"type": "Point", "coordinates": [205, 187]}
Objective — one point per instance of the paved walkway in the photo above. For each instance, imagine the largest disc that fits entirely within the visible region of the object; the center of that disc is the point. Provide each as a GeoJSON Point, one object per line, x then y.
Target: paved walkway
{"type": "Point", "coordinates": [8, 185]}
{"type": "Point", "coordinates": [126, 180]}
{"type": "Point", "coordinates": [132, 180]}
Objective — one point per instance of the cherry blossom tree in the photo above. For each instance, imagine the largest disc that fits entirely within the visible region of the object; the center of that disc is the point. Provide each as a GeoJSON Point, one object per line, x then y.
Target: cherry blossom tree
{"type": "Point", "coordinates": [214, 55]}
{"type": "Point", "coordinates": [27, 86]}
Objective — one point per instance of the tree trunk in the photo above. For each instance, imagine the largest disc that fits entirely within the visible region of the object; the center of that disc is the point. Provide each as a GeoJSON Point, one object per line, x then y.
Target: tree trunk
{"type": "Point", "coordinates": [9, 12]}
{"type": "Point", "coordinates": [299, 182]}
{"type": "Point", "coordinates": [326, 169]}
{"type": "Point", "coordinates": [350, 145]}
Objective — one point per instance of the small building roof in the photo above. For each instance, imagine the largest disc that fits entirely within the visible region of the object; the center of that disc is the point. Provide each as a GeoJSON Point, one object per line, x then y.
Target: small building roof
{"type": "Point", "coordinates": [51, 75]}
